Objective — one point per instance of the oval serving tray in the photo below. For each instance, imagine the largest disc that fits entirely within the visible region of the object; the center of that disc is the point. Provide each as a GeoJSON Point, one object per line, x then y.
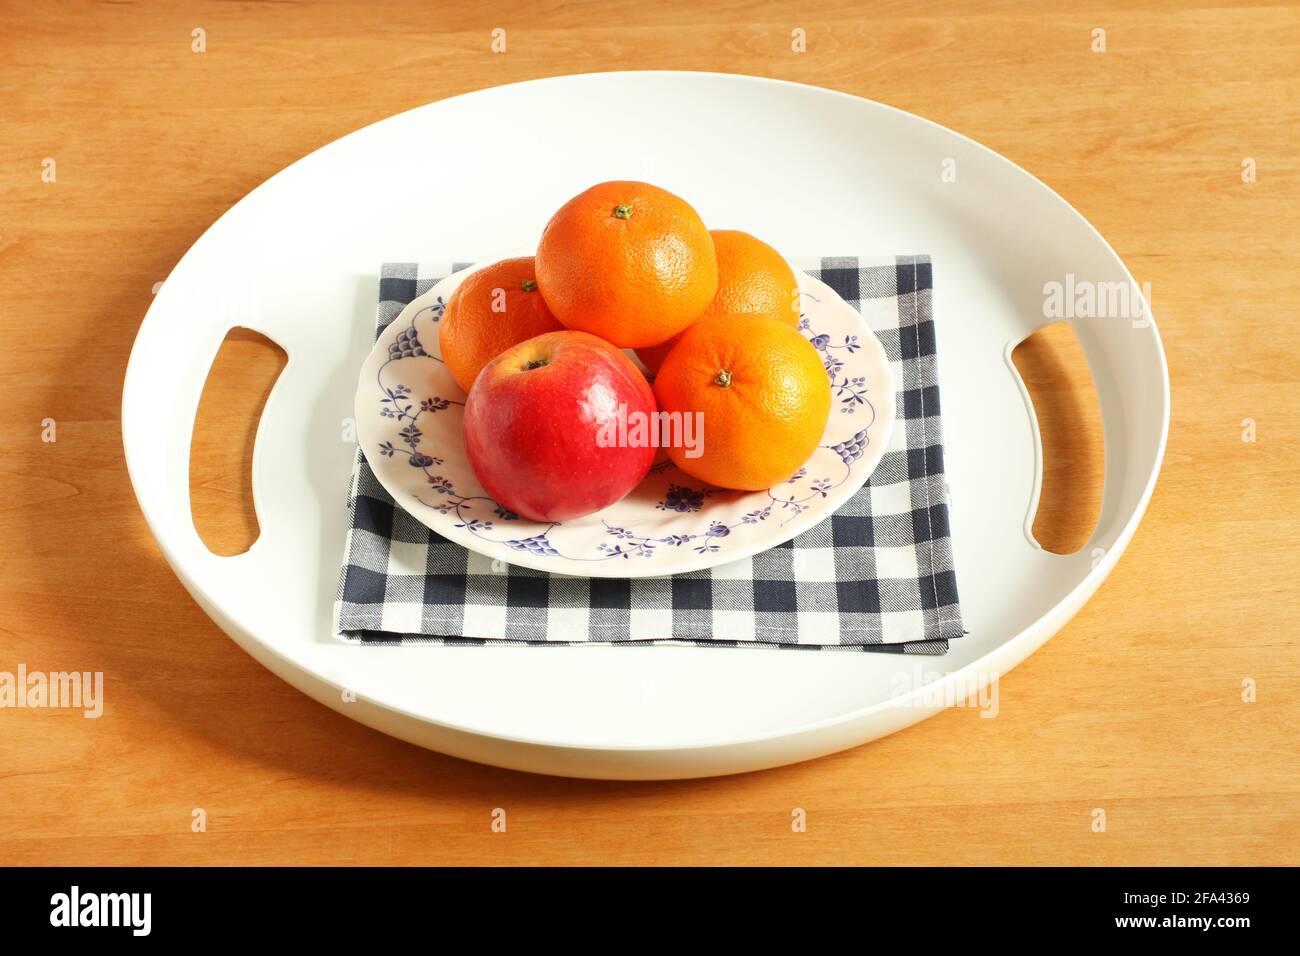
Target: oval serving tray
{"type": "Point", "coordinates": [297, 258]}
{"type": "Point", "coordinates": [409, 414]}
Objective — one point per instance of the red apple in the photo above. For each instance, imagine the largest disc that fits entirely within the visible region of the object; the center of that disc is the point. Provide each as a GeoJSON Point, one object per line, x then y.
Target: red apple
{"type": "Point", "coordinates": [542, 426]}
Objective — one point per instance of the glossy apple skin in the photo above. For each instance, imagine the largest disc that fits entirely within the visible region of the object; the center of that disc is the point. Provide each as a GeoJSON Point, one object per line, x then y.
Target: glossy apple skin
{"type": "Point", "coordinates": [532, 433]}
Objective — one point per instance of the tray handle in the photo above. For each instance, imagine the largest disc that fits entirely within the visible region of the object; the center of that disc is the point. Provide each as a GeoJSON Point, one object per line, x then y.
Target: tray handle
{"type": "Point", "coordinates": [1127, 363]}
{"type": "Point", "coordinates": [165, 377]}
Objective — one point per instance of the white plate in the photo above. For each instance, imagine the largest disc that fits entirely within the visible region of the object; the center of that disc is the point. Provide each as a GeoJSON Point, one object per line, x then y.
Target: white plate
{"type": "Point", "coordinates": [297, 260]}
{"type": "Point", "coordinates": [409, 413]}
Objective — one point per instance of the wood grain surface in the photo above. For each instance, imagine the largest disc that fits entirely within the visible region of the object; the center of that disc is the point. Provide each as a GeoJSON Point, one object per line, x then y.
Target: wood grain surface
{"type": "Point", "coordinates": [1136, 708]}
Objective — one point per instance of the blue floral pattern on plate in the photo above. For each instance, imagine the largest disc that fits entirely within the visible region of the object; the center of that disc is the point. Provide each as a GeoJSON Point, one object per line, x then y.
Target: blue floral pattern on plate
{"type": "Point", "coordinates": [409, 423]}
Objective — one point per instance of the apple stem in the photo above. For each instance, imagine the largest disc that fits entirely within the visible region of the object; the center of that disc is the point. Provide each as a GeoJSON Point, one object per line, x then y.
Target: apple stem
{"type": "Point", "coordinates": [622, 212]}
{"type": "Point", "coordinates": [722, 379]}
{"type": "Point", "coordinates": [535, 363]}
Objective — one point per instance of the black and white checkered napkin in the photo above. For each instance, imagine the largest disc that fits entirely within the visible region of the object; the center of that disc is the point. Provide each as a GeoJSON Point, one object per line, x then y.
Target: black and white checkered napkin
{"type": "Point", "coordinates": [876, 576]}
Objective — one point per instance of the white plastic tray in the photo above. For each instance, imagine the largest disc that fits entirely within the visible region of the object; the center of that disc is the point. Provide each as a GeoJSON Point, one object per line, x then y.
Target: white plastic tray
{"type": "Point", "coordinates": [810, 170]}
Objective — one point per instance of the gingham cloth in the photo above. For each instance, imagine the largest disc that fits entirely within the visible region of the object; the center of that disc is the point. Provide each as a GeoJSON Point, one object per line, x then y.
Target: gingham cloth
{"type": "Point", "coordinates": [876, 576]}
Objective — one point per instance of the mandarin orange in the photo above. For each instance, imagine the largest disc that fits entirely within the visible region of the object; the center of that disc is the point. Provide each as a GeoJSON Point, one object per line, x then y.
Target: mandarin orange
{"type": "Point", "coordinates": [627, 261]}
{"type": "Point", "coordinates": [763, 394]}
{"type": "Point", "coordinates": [493, 309]}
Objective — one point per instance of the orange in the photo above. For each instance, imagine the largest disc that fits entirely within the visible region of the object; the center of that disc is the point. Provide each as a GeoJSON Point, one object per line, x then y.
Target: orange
{"type": "Point", "coordinates": [627, 261]}
{"type": "Point", "coordinates": [753, 279]}
{"type": "Point", "coordinates": [492, 309]}
{"type": "Point", "coordinates": [763, 395]}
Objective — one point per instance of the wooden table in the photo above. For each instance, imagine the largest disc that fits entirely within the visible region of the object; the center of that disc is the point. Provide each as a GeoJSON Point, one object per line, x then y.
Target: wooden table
{"type": "Point", "coordinates": [1136, 708]}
